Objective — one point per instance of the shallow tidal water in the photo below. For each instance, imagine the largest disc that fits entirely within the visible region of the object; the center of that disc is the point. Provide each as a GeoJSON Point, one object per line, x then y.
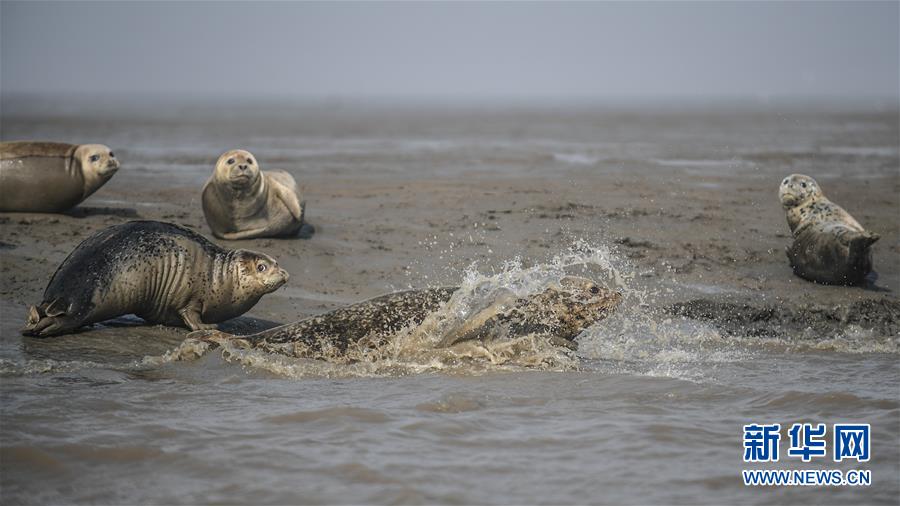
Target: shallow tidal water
{"type": "Point", "coordinates": [649, 411]}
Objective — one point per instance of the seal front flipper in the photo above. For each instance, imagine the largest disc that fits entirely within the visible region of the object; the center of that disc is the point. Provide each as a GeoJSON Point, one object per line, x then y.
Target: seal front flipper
{"type": "Point", "coordinates": [290, 200]}
{"type": "Point", "coordinates": [244, 234]}
{"type": "Point", "coordinates": [211, 336]}
{"type": "Point", "coordinates": [191, 317]}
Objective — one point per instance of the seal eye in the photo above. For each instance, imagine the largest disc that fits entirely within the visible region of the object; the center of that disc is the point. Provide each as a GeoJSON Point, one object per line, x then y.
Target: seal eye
{"type": "Point", "coordinates": [112, 155]}
{"type": "Point", "coordinates": [803, 185]}
{"type": "Point", "coordinates": [261, 267]}
{"type": "Point", "coordinates": [595, 290]}
{"type": "Point", "coordinates": [231, 161]}
{"type": "Point", "coordinates": [250, 161]}
{"type": "Point", "coordinates": [94, 158]}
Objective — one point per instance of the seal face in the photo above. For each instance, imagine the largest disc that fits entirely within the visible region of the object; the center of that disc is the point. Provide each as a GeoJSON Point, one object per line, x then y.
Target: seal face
{"type": "Point", "coordinates": [240, 201]}
{"type": "Point", "coordinates": [829, 246]}
{"type": "Point", "coordinates": [51, 177]}
{"type": "Point", "coordinates": [559, 314]}
{"type": "Point", "coordinates": [158, 271]}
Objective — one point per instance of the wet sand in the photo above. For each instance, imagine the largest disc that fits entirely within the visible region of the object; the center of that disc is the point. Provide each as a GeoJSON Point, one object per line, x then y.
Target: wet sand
{"type": "Point", "coordinates": [693, 227]}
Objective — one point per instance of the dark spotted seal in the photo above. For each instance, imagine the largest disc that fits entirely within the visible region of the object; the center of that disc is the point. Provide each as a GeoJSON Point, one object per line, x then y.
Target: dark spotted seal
{"type": "Point", "coordinates": [158, 271]}
{"type": "Point", "coordinates": [559, 314]}
{"type": "Point", "coordinates": [51, 177]}
{"type": "Point", "coordinates": [829, 246]}
{"type": "Point", "coordinates": [242, 202]}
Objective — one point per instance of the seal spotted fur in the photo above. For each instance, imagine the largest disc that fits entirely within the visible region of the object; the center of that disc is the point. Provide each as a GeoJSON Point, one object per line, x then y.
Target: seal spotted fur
{"type": "Point", "coordinates": [242, 202]}
{"type": "Point", "coordinates": [51, 177]}
{"type": "Point", "coordinates": [559, 313]}
{"type": "Point", "coordinates": [829, 246]}
{"type": "Point", "coordinates": [158, 271]}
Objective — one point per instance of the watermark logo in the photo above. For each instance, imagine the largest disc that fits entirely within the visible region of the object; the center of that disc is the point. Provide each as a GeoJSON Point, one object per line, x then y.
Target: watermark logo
{"type": "Point", "coordinates": [851, 442]}
{"type": "Point", "coordinates": [761, 442]}
{"type": "Point", "coordinates": [807, 442]}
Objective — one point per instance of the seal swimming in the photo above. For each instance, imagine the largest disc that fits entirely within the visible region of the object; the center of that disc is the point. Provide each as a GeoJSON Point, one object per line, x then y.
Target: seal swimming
{"type": "Point", "coordinates": [830, 246]}
{"type": "Point", "coordinates": [158, 271]}
{"type": "Point", "coordinates": [51, 177]}
{"type": "Point", "coordinates": [242, 202]}
{"type": "Point", "coordinates": [559, 313]}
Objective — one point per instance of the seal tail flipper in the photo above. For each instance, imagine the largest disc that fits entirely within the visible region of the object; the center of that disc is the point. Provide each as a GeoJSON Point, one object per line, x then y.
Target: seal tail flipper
{"type": "Point", "coordinates": [859, 242]}
{"type": "Point", "coordinates": [57, 307]}
{"type": "Point", "coordinates": [47, 319]}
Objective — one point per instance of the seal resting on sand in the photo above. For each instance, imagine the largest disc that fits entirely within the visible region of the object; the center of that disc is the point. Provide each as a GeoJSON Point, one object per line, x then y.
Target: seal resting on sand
{"type": "Point", "coordinates": [242, 202]}
{"type": "Point", "coordinates": [51, 177]}
{"type": "Point", "coordinates": [158, 271]}
{"type": "Point", "coordinates": [559, 313]}
{"type": "Point", "coordinates": [829, 246]}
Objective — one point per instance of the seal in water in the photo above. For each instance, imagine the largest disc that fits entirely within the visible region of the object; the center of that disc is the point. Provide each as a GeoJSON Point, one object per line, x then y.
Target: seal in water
{"type": "Point", "coordinates": [242, 202]}
{"type": "Point", "coordinates": [559, 313]}
{"type": "Point", "coordinates": [51, 177]}
{"type": "Point", "coordinates": [158, 271]}
{"type": "Point", "coordinates": [830, 246]}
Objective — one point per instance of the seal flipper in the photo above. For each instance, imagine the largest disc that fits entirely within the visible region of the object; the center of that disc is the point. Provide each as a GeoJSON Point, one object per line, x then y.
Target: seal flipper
{"type": "Point", "coordinates": [859, 242]}
{"type": "Point", "coordinates": [49, 319]}
{"type": "Point", "coordinates": [57, 308]}
{"type": "Point", "coordinates": [211, 336]}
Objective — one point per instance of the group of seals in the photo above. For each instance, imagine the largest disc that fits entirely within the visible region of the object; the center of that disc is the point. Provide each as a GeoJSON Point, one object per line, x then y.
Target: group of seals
{"type": "Point", "coordinates": [240, 201]}
{"type": "Point", "coordinates": [830, 246]}
{"type": "Point", "coordinates": [158, 271]}
{"type": "Point", "coordinates": [558, 314]}
{"type": "Point", "coordinates": [171, 275]}
{"type": "Point", "coordinates": [51, 177]}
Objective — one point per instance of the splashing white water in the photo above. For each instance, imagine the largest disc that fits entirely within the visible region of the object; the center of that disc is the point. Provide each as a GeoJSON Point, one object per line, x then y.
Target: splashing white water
{"type": "Point", "coordinates": [637, 338]}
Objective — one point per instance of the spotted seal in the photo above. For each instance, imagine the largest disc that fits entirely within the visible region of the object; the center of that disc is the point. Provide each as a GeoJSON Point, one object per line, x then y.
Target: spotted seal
{"type": "Point", "coordinates": [559, 313]}
{"type": "Point", "coordinates": [51, 177]}
{"type": "Point", "coordinates": [159, 271]}
{"type": "Point", "coordinates": [829, 246]}
{"type": "Point", "coordinates": [242, 202]}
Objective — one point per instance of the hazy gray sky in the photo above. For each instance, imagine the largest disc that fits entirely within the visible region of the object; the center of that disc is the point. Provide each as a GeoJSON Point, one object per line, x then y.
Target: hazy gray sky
{"type": "Point", "coordinates": [449, 49]}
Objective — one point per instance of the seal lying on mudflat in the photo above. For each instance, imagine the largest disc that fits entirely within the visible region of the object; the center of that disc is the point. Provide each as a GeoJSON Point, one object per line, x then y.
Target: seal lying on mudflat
{"type": "Point", "coordinates": [242, 202]}
{"type": "Point", "coordinates": [829, 245]}
{"type": "Point", "coordinates": [51, 177]}
{"type": "Point", "coordinates": [158, 271]}
{"type": "Point", "coordinates": [559, 313]}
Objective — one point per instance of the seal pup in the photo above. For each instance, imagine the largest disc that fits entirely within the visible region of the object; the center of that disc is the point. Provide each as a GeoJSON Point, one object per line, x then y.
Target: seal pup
{"type": "Point", "coordinates": [158, 271]}
{"type": "Point", "coordinates": [829, 246]}
{"type": "Point", "coordinates": [559, 313]}
{"type": "Point", "coordinates": [51, 177]}
{"type": "Point", "coordinates": [242, 202]}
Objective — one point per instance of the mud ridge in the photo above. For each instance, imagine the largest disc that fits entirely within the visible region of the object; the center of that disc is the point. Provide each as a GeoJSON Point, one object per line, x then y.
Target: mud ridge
{"type": "Point", "coordinates": [881, 316]}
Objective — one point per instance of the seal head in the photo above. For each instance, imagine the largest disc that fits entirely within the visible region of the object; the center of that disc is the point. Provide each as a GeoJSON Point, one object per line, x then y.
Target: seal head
{"type": "Point", "coordinates": [796, 189]}
{"type": "Point", "coordinates": [98, 165]}
{"type": "Point", "coordinates": [561, 312]}
{"type": "Point", "coordinates": [259, 273]}
{"type": "Point", "coordinates": [238, 169]}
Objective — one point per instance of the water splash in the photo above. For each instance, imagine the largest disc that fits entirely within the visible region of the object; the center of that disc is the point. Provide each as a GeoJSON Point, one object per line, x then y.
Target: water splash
{"type": "Point", "coordinates": [636, 339]}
